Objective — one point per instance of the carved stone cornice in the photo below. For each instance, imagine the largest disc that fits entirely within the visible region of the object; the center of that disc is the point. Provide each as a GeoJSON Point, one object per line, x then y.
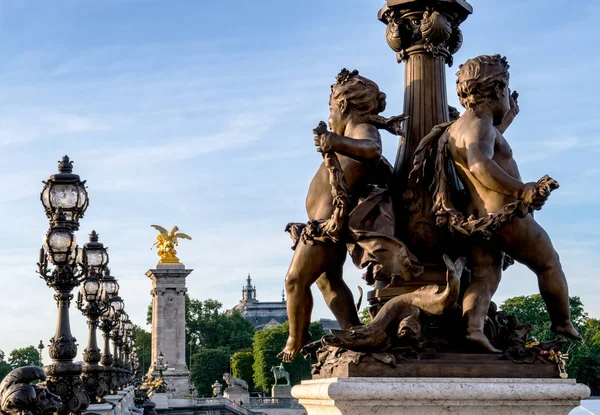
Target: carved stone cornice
{"type": "Point", "coordinates": [158, 291]}
{"type": "Point", "coordinates": [424, 26]}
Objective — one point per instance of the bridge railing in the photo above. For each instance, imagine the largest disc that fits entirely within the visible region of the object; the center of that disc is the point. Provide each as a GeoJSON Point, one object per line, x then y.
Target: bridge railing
{"type": "Point", "coordinates": [268, 403]}
{"type": "Point", "coordinates": [223, 402]}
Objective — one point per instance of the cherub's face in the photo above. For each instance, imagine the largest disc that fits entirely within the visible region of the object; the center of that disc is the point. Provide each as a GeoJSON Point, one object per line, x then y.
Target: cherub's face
{"type": "Point", "coordinates": [336, 118]}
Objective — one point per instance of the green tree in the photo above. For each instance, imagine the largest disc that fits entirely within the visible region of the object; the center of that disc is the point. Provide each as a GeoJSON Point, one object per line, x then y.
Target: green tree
{"type": "Point", "coordinates": [143, 343]}
{"type": "Point", "coordinates": [267, 344]}
{"type": "Point", "coordinates": [209, 365]}
{"type": "Point", "coordinates": [212, 328]}
{"type": "Point", "coordinates": [584, 357]}
{"type": "Point", "coordinates": [241, 366]}
{"type": "Point", "coordinates": [364, 316]}
{"type": "Point", "coordinates": [207, 325]}
{"type": "Point", "coordinates": [26, 356]}
{"type": "Point", "coordinates": [5, 367]}
{"type": "Point", "coordinates": [531, 309]}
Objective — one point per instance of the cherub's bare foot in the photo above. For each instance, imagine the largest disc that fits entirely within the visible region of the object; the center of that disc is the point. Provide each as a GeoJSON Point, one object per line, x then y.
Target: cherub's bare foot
{"type": "Point", "coordinates": [291, 350]}
{"type": "Point", "coordinates": [481, 339]}
{"type": "Point", "coordinates": [567, 330]}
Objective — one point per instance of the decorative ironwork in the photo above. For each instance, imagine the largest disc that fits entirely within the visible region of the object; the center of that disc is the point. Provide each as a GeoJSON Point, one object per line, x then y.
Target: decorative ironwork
{"type": "Point", "coordinates": [65, 200]}
{"type": "Point", "coordinates": [89, 301]}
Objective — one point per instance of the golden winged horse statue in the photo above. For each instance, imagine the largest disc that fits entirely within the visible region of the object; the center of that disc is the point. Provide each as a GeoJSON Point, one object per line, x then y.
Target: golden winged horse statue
{"type": "Point", "coordinates": [166, 243]}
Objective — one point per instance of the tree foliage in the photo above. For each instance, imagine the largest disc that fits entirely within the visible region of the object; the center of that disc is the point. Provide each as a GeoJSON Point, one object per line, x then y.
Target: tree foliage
{"type": "Point", "coordinates": [531, 309]}
{"type": "Point", "coordinates": [209, 365]}
{"type": "Point", "coordinates": [5, 367]}
{"type": "Point", "coordinates": [584, 357]}
{"type": "Point", "coordinates": [25, 356]}
{"type": "Point", "coordinates": [241, 366]}
{"type": "Point", "coordinates": [143, 343]}
{"type": "Point", "coordinates": [209, 327]}
{"type": "Point", "coordinates": [267, 344]}
{"type": "Point", "coordinates": [364, 316]}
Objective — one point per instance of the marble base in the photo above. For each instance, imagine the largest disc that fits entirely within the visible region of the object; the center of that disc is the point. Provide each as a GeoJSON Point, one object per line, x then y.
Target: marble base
{"type": "Point", "coordinates": [237, 395]}
{"type": "Point", "coordinates": [439, 396]}
{"type": "Point", "coordinates": [160, 400]}
{"type": "Point", "coordinates": [281, 391]}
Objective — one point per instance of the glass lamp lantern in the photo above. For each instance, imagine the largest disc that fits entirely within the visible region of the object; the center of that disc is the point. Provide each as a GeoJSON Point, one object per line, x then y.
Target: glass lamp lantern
{"type": "Point", "coordinates": [90, 289]}
{"type": "Point", "coordinates": [110, 287]}
{"type": "Point", "coordinates": [66, 191]}
{"type": "Point", "coordinates": [94, 255]}
{"type": "Point", "coordinates": [60, 242]}
{"type": "Point", "coordinates": [117, 304]}
{"type": "Point", "coordinates": [108, 313]}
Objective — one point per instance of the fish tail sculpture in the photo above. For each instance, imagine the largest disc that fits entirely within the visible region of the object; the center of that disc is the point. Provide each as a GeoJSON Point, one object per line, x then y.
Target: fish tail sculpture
{"type": "Point", "coordinates": [380, 333]}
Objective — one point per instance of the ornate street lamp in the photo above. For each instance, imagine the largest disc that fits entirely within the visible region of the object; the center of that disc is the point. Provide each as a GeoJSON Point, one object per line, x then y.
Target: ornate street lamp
{"type": "Point", "coordinates": [65, 200]}
{"type": "Point", "coordinates": [93, 259]}
{"type": "Point", "coordinates": [107, 323]}
{"type": "Point", "coordinates": [127, 349]}
{"type": "Point", "coordinates": [40, 348]}
{"type": "Point", "coordinates": [160, 365]}
{"type": "Point", "coordinates": [117, 340]}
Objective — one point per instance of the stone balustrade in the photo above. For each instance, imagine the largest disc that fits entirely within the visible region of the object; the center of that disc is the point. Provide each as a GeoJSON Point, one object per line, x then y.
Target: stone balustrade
{"type": "Point", "coordinates": [119, 404]}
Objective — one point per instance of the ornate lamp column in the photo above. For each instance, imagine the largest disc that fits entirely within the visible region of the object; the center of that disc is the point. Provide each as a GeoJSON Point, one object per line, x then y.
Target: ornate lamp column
{"type": "Point", "coordinates": [127, 349]}
{"type": "Point", "coordinates": [425, 34]}
{"type": "Point", "coordinates": [65, 200]}
{"type": "Point", "coordinates": [40, 348]}
{"type": "Point", "coordinates": [117, 340]}
{"type": "Point", "coordinates": [110, 289]}
{"type": "Point", "coordinates": [94, 259]}
{"type": "Point", "coordinates": [107, 325]}
{"type": "Point", "coordinates": [160, 365]}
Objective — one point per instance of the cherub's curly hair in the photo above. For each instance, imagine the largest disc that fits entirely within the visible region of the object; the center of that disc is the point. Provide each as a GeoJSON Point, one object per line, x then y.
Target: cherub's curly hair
{"type": "Point", "coordinates": [481, 78]}
{"type": "Point", "coordinates": [362, 95]}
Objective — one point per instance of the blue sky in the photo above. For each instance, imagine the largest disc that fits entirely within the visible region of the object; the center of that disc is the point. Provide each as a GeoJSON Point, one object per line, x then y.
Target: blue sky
{"type": "Point", "coordinates": [199, 113]}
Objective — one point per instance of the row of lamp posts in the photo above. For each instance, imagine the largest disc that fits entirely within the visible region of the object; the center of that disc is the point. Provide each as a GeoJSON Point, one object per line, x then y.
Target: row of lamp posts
{"type": "Point", "coordinates": [64, 266]}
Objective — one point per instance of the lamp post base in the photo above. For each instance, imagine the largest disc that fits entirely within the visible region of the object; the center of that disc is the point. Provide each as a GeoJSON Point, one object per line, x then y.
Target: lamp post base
{"type": "Point", "coordinates": [63, 379]}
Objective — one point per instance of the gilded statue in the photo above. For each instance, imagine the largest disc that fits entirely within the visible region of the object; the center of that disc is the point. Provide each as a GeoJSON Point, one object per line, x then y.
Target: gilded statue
{"type": "Point", "coordinates": [166, 243]}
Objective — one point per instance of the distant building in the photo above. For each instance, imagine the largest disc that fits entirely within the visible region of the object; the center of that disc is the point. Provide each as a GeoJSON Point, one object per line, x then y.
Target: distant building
{"type": "Point", "coordinates": [328, 324]}
{"type": "Point", "coordinates": [260, 314]}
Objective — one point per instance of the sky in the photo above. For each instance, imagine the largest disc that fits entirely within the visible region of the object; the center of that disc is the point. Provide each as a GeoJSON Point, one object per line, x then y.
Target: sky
{"type": "Point", "coordinates": [199, 114]}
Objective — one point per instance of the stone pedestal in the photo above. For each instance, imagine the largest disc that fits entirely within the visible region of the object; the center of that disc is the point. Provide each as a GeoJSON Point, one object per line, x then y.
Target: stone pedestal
{"type": "Point", "coordinates": [439, 396]}
{"type": "Point", "coordinates": [168, 325]}
{"type": "Point", "coordinates": [237, 395]}
{"type": "Point", "coordinates": [281, 391]}
{"type": "Point", "coordinates": [161, 400]}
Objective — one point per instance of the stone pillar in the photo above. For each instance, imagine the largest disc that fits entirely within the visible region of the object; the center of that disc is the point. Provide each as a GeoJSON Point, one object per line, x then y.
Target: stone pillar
{"type": "Point", "coordinates": [424, 396]}
{"type": "Point", "coordinates": [168, 325]}
{"type": "Point", "coordinates": [425, 35]}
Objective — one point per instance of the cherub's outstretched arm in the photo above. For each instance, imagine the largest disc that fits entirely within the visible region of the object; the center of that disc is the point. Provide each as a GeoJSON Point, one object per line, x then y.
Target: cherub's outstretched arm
{"type": "Point", "coordinates": [480, 152]}
{"type": "Point", "coordinates": [367, 148]}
